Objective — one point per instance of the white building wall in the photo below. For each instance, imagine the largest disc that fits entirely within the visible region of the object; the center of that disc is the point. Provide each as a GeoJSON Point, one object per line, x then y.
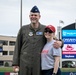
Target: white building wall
{"type": "Point", "coordinates": [7, 48]}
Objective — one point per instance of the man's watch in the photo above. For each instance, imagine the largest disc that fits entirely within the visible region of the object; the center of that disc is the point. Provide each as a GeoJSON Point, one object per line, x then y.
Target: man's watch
{"type": "Point", "coordinates": [54, 74]}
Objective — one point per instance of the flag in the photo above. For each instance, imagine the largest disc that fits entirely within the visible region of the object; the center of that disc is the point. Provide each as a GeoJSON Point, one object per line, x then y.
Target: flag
{"type": "Point", "coordinates": [61, 21]}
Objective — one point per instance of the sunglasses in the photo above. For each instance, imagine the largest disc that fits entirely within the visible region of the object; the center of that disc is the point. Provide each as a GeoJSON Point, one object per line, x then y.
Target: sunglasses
{"type": "Point", "coordinates": [48, 30]}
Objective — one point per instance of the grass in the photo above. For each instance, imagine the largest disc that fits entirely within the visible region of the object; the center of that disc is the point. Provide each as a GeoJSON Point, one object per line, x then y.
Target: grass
{"type": "Point", "coordinates": [6, 69]}
{"type": "Point", "coordinates": [68, 69]}
{"type": "Point", "coordinates": [10, 69]}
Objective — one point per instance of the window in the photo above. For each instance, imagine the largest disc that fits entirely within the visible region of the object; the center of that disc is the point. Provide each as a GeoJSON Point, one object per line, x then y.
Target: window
{"type": "Point", "coordinates": [3, 42]}
{"type": "Point", "coordinates": [5, 52]}
{"type": "Point", "coordinates": [11, 42]}
{"type": "Point", "coordinates": [1, 49]}
{"type": "Point", "coordinates": [1, 63]}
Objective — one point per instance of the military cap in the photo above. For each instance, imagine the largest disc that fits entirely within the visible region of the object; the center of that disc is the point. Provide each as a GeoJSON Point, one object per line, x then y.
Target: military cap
{"type": "Point", "coordinates": [35, 10]}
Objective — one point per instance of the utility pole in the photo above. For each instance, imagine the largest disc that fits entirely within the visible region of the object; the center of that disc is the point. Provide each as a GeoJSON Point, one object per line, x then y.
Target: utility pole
{"type": "Point", "coordinates": [75, 23]}
{"type": "Point", "coordinates": [59, 29]}
{"type": "Point", "coordinates": [20, 13]}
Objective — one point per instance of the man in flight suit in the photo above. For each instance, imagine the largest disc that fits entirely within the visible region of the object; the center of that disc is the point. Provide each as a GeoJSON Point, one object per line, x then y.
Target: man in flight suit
{"type": "Point", "coordinates": [29, 43]}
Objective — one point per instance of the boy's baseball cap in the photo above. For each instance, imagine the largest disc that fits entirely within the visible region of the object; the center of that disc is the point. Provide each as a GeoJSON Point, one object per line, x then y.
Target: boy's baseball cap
{"type": "Point", "coordinates": [35, 10]}
{"type": "Point", "coordinates": [51, 27]}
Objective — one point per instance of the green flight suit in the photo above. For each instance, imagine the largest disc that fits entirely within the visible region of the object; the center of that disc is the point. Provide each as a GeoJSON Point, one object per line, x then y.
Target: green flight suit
{"type": "Point", "coordinates": [28, 48]}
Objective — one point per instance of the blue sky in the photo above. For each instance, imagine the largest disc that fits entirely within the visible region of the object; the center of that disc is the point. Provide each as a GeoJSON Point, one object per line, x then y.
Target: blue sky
{"type": "Point", "coordinates": [51, 12]}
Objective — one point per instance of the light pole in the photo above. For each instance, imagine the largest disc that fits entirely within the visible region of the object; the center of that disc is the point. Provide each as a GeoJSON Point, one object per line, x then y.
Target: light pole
{"type": "Point", "coordinates": [59, 37]}
{"type": "Point", "coordinates": [59, 29]}
{"type": "Point", "coordinates": [75, 23]}
{"type": "Point", "coordinates": [20, 13]}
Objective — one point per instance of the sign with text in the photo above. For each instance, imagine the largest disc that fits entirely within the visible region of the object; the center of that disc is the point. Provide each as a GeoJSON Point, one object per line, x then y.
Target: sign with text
{"type": "Point", "coordinates": [69, 49]}
{"type": "Point", "coordinates": [68, 33]}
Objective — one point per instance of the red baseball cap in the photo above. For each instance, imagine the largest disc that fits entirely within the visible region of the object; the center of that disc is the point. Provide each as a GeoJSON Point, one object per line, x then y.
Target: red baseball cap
{"type": "Point", "coordinates": [51, 27]}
